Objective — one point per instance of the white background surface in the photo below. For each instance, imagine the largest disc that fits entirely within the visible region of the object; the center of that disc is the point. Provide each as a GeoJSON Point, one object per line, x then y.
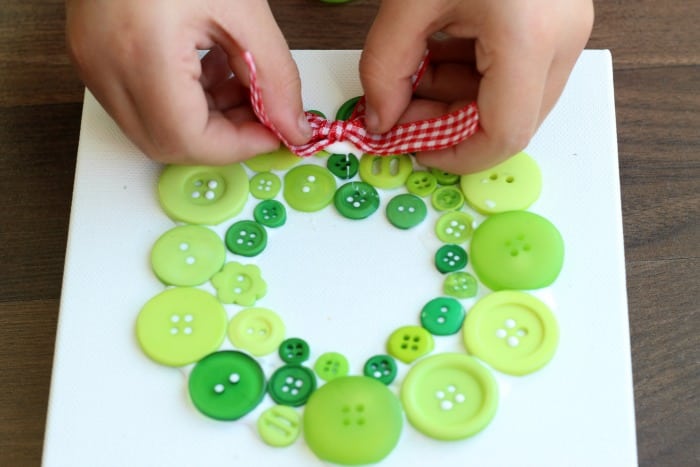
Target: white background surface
{"type": "Point", "coordinates": [344, 286]}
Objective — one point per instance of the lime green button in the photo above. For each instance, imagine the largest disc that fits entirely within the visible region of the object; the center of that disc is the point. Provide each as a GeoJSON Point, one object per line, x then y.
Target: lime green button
{"type": "Point", "coordinates": [449, 396]}
{"type": "Point", "coordinates": [258, 331]}
{"type": "Point", "coordinates": [442, 316]}
{"type": "Point", "coordinates": [346, 109]}
{"type": "Point", "coordinates": [343, 166]}
{"type": "Point", "coordinates": [239, 284]}
{"type": "Point", "coordinates": [510, 186]}
{"type": "Point", "coordinates": [265, 185]}
{"type": "Point", "coordinates": [226, 385]}
{"type": "Point", "coordinates": [187, 255]}
{"type": "Point", "coordinates": [352, 420]}
{"type": "Point", "coordinates": [409, 343]}
{"type": "Point", "coordinates": [445, 178]}
{"type": "Point", "coordinates": [309, 188]}
{"type": "Point", "coordinates": [356, 200]}
{"type": "Point", "coordinates": [246, 238]}
{"type": "Point", "coordinates": [512, 331]}
{"type": "Point", "coordinates": [460, 284]}
{"type": "Point", "coordinates": [450, 258]}
{"type": "Point", "coordinates": [180, 325]}
{"type": "Point", "coordinates": [270, 213]}
{"type": "Point", "coordinates": [517, 250]}
{"type": "Point", "coordinates": [421, 183]}
{"type": "Point", "coordinates": [405, 211]}
{"type": "Point", "coordinates": [454, 227]}
{"type": "Point", "coordinates": [294, 351]}
{"type": "Point", "coordinates": [203, 195]}
{"type": "Point", "coordinates": [331, 365]}
{"type": "Point", "coordinates": [382, 368]}
{"type": "Point", "coordinates": [292, 385]}
{"type": "Point", "coordinates": [279, 426]}
{"type": "Point", "coordinates": [280, 159]}
{"type": "Point", "coordinates": [447, 198]}
{"type": "Point", "coordinates": [386, 172]}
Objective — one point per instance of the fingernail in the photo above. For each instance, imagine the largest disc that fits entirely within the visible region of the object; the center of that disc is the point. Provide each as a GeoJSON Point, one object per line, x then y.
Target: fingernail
{"type": "Point", "coordinates": [372, 120]}
{"type": "Point", "coordinates": [304, 127]}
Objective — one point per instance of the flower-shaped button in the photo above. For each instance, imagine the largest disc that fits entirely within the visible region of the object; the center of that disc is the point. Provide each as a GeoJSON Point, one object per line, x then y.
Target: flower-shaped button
{"type": "Point", "coordinates": [460, 284]}
{"type": "Point", "coordinates": [406, 211]}
{"type": "Point", "coordinates": [246, 238]}
{"type": "Point", "coordinates": [239, 284]}
{"type": "Point", "coordinates": [386, 171]}
{"type": "Point", "coordinates": [356, 200]}
{"type": "Point", "coordinates": [292, 385]}
{"type": "Point", "coordinates": [343, 166]}
{"type": "Point", "coordinates": [256, 330]}
{"type": "Point", "coordinates": [454, 227]}
{"type": "Point", "coordinates": [279, 426]}
{"type": "Point", "coordinates": [265, 185]}
{"type": "Point", "coordinates": [309, 188]}
{"type": "Point", "coordinates": [421, 183]}
{"type": "Point", "coordinates": [409, 343]}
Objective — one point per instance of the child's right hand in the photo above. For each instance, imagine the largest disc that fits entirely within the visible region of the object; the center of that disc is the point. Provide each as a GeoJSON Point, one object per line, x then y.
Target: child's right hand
{"type": "Point", "coordinates": [139, 58]}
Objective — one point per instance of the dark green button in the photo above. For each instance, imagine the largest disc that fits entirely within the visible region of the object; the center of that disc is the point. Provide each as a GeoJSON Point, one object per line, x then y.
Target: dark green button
{"type": "Point", "coordinates": [226, 385]}
{"type": "Point", "coordinates": [270, 213]}
{"type": "Point", "coordinates": [460, 284]}
{"type": "Point", "coordinates": [347, 108]}
{"type": "Point", "coordinates": [382, 368]}
{"type": "Point", "coordinates": [442, 316]}
{"type": "Point", "coordinates": [405, 211]}
{"type": "Point", "coordinates": [421, 183]}
{"type": "Point", "coordinates": [447, 198]}
{"type": "Point", "coordinates": [294, 351]}
{"type": "Point", "coordinates": [292, 385]}
{"type": "Point", "coordinates": [356, 200]}
{"type": "Point", "coordinates": [445, 178]}
{"type": "Point", "coordinates": [317, 113]}
{"type": "Point", "coordinates": [246, 238]}
{"type": "Point", "coordinates": [343, 166]}
{"type": "Point", "coordinates": [450, 258]}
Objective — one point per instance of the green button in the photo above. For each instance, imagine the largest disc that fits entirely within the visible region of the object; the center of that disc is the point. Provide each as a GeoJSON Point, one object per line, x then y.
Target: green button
{"type": "Point", "coordinates": [270, 213]}
{"type": "Point", "coordinates": [246, 238]}
{"type": "Point", "coordinates": [409, 343]}
{"type": "Point", "coordinates": [386, 172]}
{"type": "Point", "coordinates": [421, 183]}
{"type": "Point", "coordinates": [447, 198]}
{"type": "Point", "coordinates": [382, 368]}
{"type": "Point", "coordinates": [309, 188]}
{"type": "Point", "coordinates": [279, 426]}
{"type": "Point", "coordinates": [406, 211]}
{"type": "Point", "coordinates": [239, 284]}
{"type": "Point", "coordinates": [454, 227]}
{"type": "Point", "coordinates": [226, 385]}
{"type": "Point", "coordinates": [460, 284]}
{"type": "Point", "coordinates": [280, 159]}
{"type": "Point", "coordinates": [445, 178]}
{"type": "Point", "coordinates": [258, 331]}
{"type": "Point", "coordinates": [292, 385]}
{"type": "Point", "coordinates": [180, 325]}
{"type": "Point", "coordinates": [512, 185]}
{"type": "Point", "coordinates": [356, 200]}
{"type": "Point", "coordinates": [343, 166]}
{"type": "Point", "coordinates": [331, 365]}
{"type": "Point", "coordinates": [450, 258]}
{"type": "Point", "coordinates": [442, 316]}
{"type": "Point", "coordinates": [187, 255]}
{"type": "Point", "coordinates": [317, 113]}
{"type": "Point", "coordinates": [449, 396]}
{"type": "Point", "coordinates": [352, 420]}
{"type": "Point", "coordinates": [203, 195]}
{"type": "Point", "coordinates": [294, 351]}
{"type": "Point", "coordinates": [346, 109]}
{"type": "Point", "coordinates": [512, 331]}
{"type": "Point", "coordinates": [517, 250]}
{"type": "Point", "coordinates": [265, 185]}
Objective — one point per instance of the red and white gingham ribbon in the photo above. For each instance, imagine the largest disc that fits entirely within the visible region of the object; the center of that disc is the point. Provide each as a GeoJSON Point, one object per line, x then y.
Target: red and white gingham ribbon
{"type": "Point", "coordinates": [424, 135]}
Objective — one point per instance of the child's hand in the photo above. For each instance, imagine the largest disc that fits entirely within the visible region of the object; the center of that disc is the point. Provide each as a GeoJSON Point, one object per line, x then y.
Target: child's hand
{"type": "Point", "coordinates": [513, 56]}
{"type": "Point", "coordinates": [139, 58]}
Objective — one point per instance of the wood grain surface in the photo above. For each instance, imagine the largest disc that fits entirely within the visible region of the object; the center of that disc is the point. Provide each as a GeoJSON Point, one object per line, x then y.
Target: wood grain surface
{"type": "Point", "coordinates": [656, 53]}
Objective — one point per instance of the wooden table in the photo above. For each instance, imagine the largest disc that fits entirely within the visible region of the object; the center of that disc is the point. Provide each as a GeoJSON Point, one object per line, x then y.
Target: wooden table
{"type": "Point", "coordinates": [657, 78]}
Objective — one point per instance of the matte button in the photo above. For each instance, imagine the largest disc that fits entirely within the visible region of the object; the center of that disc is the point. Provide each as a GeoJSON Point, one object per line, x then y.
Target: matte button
{"type": "Point", "coordinates": [409, 343]}
{"type": "Point", "coordinates": [356, 200]}
{"type": "Point", "coordinates": [343, 166]}
{"type": "Point", "coordinates": [454, 227]}
{"type": "Point", "coordinates": [442, 316]}
{"type": "Point", "coordinates": [331, 365]}
{"type": "Point", "coordinates": [406, 211]}
{"type": "Point", "coordinates": [294, 351]}
{"type": "Point", "coordinates": [279, 426]}
{"type": "Point", "coordinates": [239, 284]}
{"type": "Point", "coordinates": [460, 284]}
{"type": "Point", "coordinates": [382, 368]}
{"type": "Point", "coordinates": [292, 385]}
{"type": "Point", "coordinates": [258, 331]}
{"type": "Point", "coordinates": [265, 185]}
{"type": "Point", "coordinates": [279, 159]}
{"type": "Point", "coordinates": [386, 172]}
{"type": "Point", "coordinates": [270, 213]}
{"type": "Point", "coordinates": [445, 178]}
{"type": "Point", "coordinates": [450, 258]}
{"type": "Point", "coordinates": [246, 238]}
{"type": "Point", "coordinates": [447, 198]}
{"type": "Point", "coordinates": [421, 183]}
{"type": "Point", "coordinates": [309, 188]}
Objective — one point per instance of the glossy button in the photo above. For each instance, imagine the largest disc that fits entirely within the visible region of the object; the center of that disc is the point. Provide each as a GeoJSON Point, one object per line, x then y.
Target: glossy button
{"type": "Point", "coordinates": [352, 420]}
{"type": "Point", "coordinates": [331, 365]}
{"type": "Point", "coordinates": [382, 368]}
{"type": "Point", "coordinates": [442, 316]}
{"type": "Point", "coordinates": [346, 109]}
{"type": "Point", "coordinates": [454, 227]}
{"type": "Point", "coordinates": [280, 159]}
{"type": "Point", "coordinates": [356, 200]}
{"type": "Point", "coordinates": [512, 331]}
{"type": "Point", "coordinates": [510, 186]}
{"type": "Point", "coordinates": [309, 188]}
{"type": "Point", "coordinates": [343, 166]}
{"type": "Point", "coordinates": [187, 255]}
{"type": "Point", "coordinates": [406, 211]}
{"type": "Point", "coordinates": [386, 171]}
{"type": "Point", "coordinates": [258, 331]}
{"type": "Point", "coordinates": [270, 213]}
{"type": "Point", "coordinates": [203, 195]}
{"type": "Point", "coordinates": [246, 238]}
{"type": "Point", "coordinates": [294, 350]}
{"type": "Point", "coordinates": [445, 178]}
{"type": "Point", "coordinates": [421, 183]}
{"type": "Point", "coordinates": [517, 250]}
{"type": "Point", "coordinates": [226, 385]}
{"type": "Point", "coordinates": [450, 258]}
{"type": "Point", "coordinates": [265, 185]}
{"type": "Point", "coordinates": [240, 284]}
{"type": "Point", "coordinates": [180, 325]}
{"type": "Point", "coordinates": [292, 385]}
{"type": "Point", "coordinates": [409, 343]}
{"type": "Point", "coordinates": [447, 198]}
{"type": "Point", "coordinates": [279, 426]}
{"type": "Point", "coordinates": [449, 396]}
{"type": "Point", "coordinates": [460, 284]}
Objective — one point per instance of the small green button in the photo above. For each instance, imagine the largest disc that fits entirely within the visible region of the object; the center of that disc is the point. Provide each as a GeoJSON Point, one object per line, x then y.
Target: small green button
{"type": "Point", "coordinates": [454, 227]}
{"type": "Point", "coordinates": [405, 211]}
{"type": "Point", "coordinates": [421, 183]}
{"type": "Point", "coordinates": [343, 166]}
{"type": "Point", "coordinates": [309, 188]}
{"type": "Point", "coordinates": [246, 238]}
{"type": "Point", "coordinates": [460, 284]}
{"type": "Point", "coordinates": [442, 316]}
{"type": "Point", "coordinates": [270, 213]}
{"type": "Point", "coordinates": [445, 178]}
{"type": "Point", "coordinates": [382, 368]}
{"type": "Point", "coordinates": [409, 343]}
{"type": "Point", "coordinates": [331, 365]}
{"type": "Point", "coordinates": [279, 426]}
{"type": "Point", "coordinates": [279, 159]}
{"type": "Point", "coordinates": [447, 198]}
{"type": "Point", "coordinates": [265, 185]}
{"type": "Point", "coordinates": [346, 109]}
{"type": "Point", "coordinates": [356, 200]}
{"type": "Point", "coordinates": [386, 172]}
{"type": "Point", "coordinates": [258, 331]}
{"type": "Point", "coordinates": [294, 351]}
{"type": "Point", "coordinates": [450, 258]}
{"type": "Point", "coordinates": [239, 284]}
{"type": "Point", "coordinates": [292, 385]}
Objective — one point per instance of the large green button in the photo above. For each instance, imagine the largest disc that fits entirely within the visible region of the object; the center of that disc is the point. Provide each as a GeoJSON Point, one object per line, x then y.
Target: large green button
{"type": "Point", "coordinates": [352, 420]}
{"type": "Point", "coordinates": [442, 316]}
{"type": "Point", "coordinates": [454, 227]}
{"type": "Point", "coordinates": [386, 171]}
{"type": "Point", "coordinates": [280, 159]}
{"type": "Point", "coordinates": [409, 343]}
{"type": "Point", "coordinates": [256, 330]}
{"type": "Point", "coordinates": [517, 250]}
{"type": "Point", "coordinates": [405, 211]}
{"type": "Point", "coordinates": [356, 200]}
{"type": "Point", "coordinates": [292, 385]}
{"type": "Point", "coordinates": [309, 188]}
{"type": "Point", "coordinates": [246, 238]}
{"type": "Point", "coordinates": [226, 385]}
{"type": "Point", "coordinates": [346, 109]}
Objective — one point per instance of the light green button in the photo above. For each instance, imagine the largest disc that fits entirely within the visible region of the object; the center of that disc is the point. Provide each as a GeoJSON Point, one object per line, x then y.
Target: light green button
{"type": "Point", "coordinates": [447, 198]}
{"type": "Point", "coordinates": [460, 285]}
{"type": "Point", "coordinates": [265, 185]}
{"type": "Point", "coordinates": [280, 159]}
{"type": "Point", "coordinates": [421, 183]}
{"type": "Point", "coordinates": [331, 365]}
{"type": "Point", "coordinates": [454, 227]}
{"type": "Point", "coordinates": [239, 284]}
{"type": "Point", "coordinates": [409, 343]}
{"type": "Point", "coordinates": [258, 331]}
{"type": "Point", "coordinates": [279, 426]}
{"type": "Point", "coordinates": [386, 172]}
{"type": "Point", "coordinates": [309, 188]}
